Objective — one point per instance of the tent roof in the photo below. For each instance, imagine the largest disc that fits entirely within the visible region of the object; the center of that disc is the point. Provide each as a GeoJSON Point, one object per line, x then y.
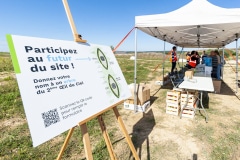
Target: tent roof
{"type": "Point", "coordinates": [198, 24]}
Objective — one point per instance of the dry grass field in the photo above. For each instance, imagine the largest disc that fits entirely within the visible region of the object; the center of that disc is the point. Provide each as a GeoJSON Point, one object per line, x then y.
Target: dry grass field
{"type": "Point", "coordinates": [155, 134]}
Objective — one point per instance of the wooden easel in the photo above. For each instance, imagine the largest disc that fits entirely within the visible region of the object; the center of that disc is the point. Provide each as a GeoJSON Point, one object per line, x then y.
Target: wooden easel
{"type": "Point", "coordinates": [85, 135]}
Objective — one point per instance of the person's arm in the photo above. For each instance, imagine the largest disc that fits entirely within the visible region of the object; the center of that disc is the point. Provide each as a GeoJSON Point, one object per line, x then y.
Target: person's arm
{"type": "Point", "coordinates": [218, 59]}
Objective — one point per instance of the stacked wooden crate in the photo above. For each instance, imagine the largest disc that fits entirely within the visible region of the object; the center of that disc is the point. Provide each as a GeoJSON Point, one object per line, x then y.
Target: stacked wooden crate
{"type": "Point", "coordinates": [173, 102]}
{"type": "Point", "coordinates": [188, 107]}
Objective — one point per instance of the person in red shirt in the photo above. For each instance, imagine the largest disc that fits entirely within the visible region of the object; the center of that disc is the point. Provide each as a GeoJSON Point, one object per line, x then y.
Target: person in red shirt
{"type": "Point", "coordinates": [193, 60]}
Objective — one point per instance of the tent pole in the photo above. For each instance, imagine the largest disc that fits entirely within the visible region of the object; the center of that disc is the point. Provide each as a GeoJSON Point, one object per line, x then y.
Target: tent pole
{"type": "Point", "coordinates": [236, 62]}
{"type": "Point", "coordinates": [135, 73]}
{"type": "Point", "coordinates": [182, 58]}
{"type": "Point", "coordinates": [223, 59]}
{"type": "Point", "coordinates": [163, 58]}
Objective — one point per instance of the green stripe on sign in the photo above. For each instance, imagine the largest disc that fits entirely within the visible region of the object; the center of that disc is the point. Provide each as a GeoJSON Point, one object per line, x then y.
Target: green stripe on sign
{"type": "Point", "coordinates": [13, 54]}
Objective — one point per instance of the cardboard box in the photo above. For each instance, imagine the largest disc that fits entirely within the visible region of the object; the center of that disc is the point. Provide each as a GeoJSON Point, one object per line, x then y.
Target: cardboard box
{"type": "Point", "coordinates": [143, 92]}
{"type": "Point", "coordinates": [217, 85]}
{"type": "Point", "coordinates": [139, 108]}
{"type": "Point", "coordinates": [162, 80]}
{"type": "Point", "coordinates": [189, 74]}
{"type": "Point", "coordinates": [200, 68]}
{"type": "Point", "coordinates": [208, 70]}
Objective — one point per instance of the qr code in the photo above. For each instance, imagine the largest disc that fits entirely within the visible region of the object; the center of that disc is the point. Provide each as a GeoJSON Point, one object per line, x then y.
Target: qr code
{"type": "Point", "coordinates": [50, 117]}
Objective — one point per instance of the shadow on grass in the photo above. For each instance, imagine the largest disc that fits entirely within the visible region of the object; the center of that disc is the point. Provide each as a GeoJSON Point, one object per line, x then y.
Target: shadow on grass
{"type": "Point", "coordinates": [152, 99]}
{"type": "Point", "coordinates": [141, 131]}
{"type": "Point", "coordinates": [226, 90]}
{"type": "Point", "coordinates": [205, 100]}
{"type": "Point", "coordinates": [167, 86]}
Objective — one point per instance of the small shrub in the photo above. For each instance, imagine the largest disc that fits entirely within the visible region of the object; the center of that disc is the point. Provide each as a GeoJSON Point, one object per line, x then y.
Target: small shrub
{"type": "Point", "coordinates": [5, 64]}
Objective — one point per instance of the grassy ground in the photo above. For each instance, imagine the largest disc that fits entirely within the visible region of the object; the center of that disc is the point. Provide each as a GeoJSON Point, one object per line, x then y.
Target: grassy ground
{"type": "Point", "coordinates": [221, 138]}
{"type": "Point", "coordinates": [15, 140]}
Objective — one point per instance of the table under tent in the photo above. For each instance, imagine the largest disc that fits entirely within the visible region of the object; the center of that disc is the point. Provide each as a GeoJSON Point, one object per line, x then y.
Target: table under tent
{"type": "Point", "coordinates": [198, 24]}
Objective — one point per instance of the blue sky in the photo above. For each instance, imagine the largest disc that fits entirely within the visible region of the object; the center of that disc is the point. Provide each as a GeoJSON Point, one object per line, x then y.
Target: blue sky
{"type": "Point", "coordinates": [103, 22]}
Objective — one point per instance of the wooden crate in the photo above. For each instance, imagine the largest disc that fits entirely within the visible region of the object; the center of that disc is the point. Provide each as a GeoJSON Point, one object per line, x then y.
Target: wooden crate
{"type": "Point", "coordinates": [188, 113]}
{"type": "Point", "coordinates": [173, 109]}
{"type": "Point", "coordinates": [189, 110]}
{"type": "Point", "coordinates": [190, 105]}
{"type": "Point", "coordinates": [191, 99]}
{"type": "Point", "coordinates": [194, 92]}
{"type": "Point", "coordinates": [173, 97]}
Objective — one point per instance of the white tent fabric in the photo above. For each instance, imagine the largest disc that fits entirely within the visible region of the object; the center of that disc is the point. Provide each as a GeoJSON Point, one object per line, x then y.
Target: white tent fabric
{"type": "Point", "coordinates": [198, 24]}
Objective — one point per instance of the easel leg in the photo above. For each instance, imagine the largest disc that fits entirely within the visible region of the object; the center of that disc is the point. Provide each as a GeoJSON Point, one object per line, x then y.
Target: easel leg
{"type": "Point", "coordinates": [65, 143]}
{"type": "Point", "coordinates": [86, 141]}
{"type": "Point", "coordinates": [124, 130]}
{"type": "Point", "coordinates": [106, 137]}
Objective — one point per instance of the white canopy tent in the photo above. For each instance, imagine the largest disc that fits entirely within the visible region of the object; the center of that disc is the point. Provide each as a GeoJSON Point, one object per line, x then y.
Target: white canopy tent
{"type": "Point", "coordinates": [198, 24]}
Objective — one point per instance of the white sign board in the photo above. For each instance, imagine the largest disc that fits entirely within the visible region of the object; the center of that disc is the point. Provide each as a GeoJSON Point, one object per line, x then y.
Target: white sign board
{"type": "Point", "coordinates": [63, 83]}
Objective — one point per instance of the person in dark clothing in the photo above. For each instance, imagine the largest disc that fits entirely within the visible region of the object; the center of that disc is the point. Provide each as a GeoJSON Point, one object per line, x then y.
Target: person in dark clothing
{"type": "Point", "coordinates": [218, 64]}
{"type": "Point", "coordinates": [204, 55]}
{"type": "Point", "coordinates": [173, 58]}
{"type": "Point", "coordinates": [214, 64]}
{"type": "Point", "coordinates": [197, 58]}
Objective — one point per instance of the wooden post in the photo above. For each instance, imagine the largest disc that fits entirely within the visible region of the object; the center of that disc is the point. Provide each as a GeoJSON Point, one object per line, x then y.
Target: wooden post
{"type": "Point", "coordinates": [106, 137]}
{"type": "Point", "coordinates": [65, 143]}
{"type": "Point", "coordinates": [86, 141]}
{"type": "Point", "coordinates": [124, 130]}
{"type": "Point", "coordinates": [77, 37]}
{"type": "Point", "coordinates": [85, 135]}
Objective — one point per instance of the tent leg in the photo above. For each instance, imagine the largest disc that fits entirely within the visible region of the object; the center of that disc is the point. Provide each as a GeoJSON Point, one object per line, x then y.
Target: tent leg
{"type": "Point", "coordinates": [182, 58]}
{"type": "Point", "coordinates": [163, 59]}
{"type": "Point", "coordinates": [237, 63]}
{"type": "Point", "coordinates": [222, 68]}
{"type": "Point", "coordinates": [135, 74]}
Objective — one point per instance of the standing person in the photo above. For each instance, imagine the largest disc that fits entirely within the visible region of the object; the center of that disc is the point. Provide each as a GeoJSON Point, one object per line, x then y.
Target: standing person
{"type": "Point", "coordinates": [204, 55]}
{"type": "Point", "coordinates": [197, 58]}
{"type": "Point", "coordinates": [218, 64]}
{"type": "Point", "coordinates": [173, 58]}
{"type": "Point", "coordinates": [214, 64]}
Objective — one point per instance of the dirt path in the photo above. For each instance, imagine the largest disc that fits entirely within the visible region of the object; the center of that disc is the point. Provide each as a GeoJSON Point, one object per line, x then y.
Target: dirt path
{"type": "Point", "coordinates": [160, 136]}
